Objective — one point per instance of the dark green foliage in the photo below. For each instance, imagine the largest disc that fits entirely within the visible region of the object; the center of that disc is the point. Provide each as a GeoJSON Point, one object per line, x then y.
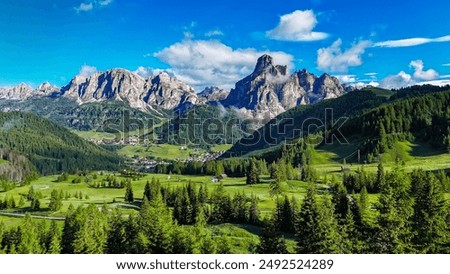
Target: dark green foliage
{"type": "Point", "coordinates": [317, 228]}
{"type": "Point", "coordinates": [271, 241]}
{"type": "Point", "coordinates": [252, 174]}
{"type": "Point", "coordinates": [205, 126]}
{"type": "Point", "coordinates": [285, 213]}
{"type": "Point", "coordinates": [117, 234]}
{"type": "Point", "coordinates": [288, 125]}
{"type": "Point", "coordinates": [430, 212]}
{"type": "Point", "coordinates": [50, 147]}
{"type": "Point", "coordinates": [395, 210]}
{"type": "Point", "coordinates": [156, 227]}
{"type": "Point", "coordinates": [129, 196]}
{"type": "Point", "coordinates": [55, 201]}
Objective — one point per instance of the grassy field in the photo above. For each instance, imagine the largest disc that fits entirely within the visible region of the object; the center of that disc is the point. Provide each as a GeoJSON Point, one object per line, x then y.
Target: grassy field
{"type": "Point", "coordinates": [327, 160]}
{"type": "Point", "coordinates": [161, 151]}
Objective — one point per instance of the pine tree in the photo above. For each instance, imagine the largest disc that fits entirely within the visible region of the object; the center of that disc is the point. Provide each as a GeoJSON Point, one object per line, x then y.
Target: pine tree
{"type": "Point", "coordinates": [429, 219]}
{"type": "Point", "coordinates": [253, 211]}
{"type": "Point", "coordinates": [275, 188]}
{"type": "Point", "coordinates": [55, 239]}
{"type": "Point", "coordinates": [363, 200]}
{"type": "Point", "coordinates": [129, 198]}
{"type": "Point", "coordinates": [340, 201]}
{"type": "Point", "coordinates": [317, 228]}
{"type": "Point", "coordinates": [380, 177]}
{"type": "Point", "coordinates": [35, 205]}
{"type": "Point", "coordinates": [70, 227]}
{"type": "Point", "coordinates": [308, 220]}
{"type": "Point", "coordinates": [271, 241]}
{"type": "Point", "coordinates": [91, 235]}
{"type": "Point", "coordinates": [29, 240]}
{"type": "Point", "coordinates": [117, 235]}
{"type": "Point", "coordinates": [330, 239]}
{"type": "Point", "coordinates": [147, 191]}
{"type": "Point", "coordinates": [252, 173]}
{"type": "Point", "coordinates": [55, 201]}
{"type": "Point", "coordinates": [156, 227]}
{"type": "Point", "coordinates": [395, 210]}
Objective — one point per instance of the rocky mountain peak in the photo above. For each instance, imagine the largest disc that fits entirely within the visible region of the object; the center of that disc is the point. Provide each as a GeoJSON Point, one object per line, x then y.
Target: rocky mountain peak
{"type": "Point", "coordinates": [269, 90]}
{"type": "Point", "coordinates": [19, 92]}
{"type": "Point", "coordinates": [264, 62]}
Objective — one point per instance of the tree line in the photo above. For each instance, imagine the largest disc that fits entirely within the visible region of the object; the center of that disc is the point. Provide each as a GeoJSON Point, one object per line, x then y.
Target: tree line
{"type": "Point", "coordinates": [410, 215]}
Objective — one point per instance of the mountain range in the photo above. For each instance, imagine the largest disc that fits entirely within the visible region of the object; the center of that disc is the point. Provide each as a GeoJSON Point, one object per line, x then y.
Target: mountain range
{"type": "Point", "coordinates": [269, 90]}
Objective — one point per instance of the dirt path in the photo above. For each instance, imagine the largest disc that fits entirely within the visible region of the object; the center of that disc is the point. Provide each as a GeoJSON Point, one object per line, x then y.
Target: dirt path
{"type": "Point", "coordinates": [21, 215]}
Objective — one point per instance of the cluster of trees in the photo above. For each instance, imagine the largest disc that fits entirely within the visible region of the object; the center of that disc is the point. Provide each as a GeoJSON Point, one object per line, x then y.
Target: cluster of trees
{"type": "Point", "coordinates": [233, 167]}
{"type": "Point", "coordinates": [189, 201]}
{"type": "Point", "coordinates": [424, 118]}
{"type": "Point", "coordinates": [89, 230]}
{"type": "Point", "coordinates": [372, 182]}
{"type": "Point", "coordinates": [410, 216]}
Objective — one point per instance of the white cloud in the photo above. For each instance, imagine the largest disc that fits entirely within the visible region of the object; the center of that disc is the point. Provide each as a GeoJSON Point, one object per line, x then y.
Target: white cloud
{"type": "Point", "coordinates": [333, 59]}
{"type": "Point", "coordinates": [411, 42]}
{"type": "Point", "coordinates": [420, 74]}
{"type": "Point", "coordinates": [419, 77]}
{"type": "Point", "coordinates": [202, 63]}
{"type": "Point", "coordinates": [402, 79]}
{"type": "Point", "coordinates": [297, 26]}
{"type": "Point", "coordinates": [346, 78]}
{"type": "Point", "coordinates": [440, 83]}
{"type": "Point", "coordinates": [147, 72]}
{"type": "Point", "coordinates": [214, 33]}
{"type": "Point", "coordinates": [371, 74]}
{"type": "Point", "coordinates": [87, 71]}
{"type": "Point", "coordinates": [446, 65]}
{"type": "Point", "coordinates": [83, 7]}
{"type": "Point", "coordinates": [105, 2]}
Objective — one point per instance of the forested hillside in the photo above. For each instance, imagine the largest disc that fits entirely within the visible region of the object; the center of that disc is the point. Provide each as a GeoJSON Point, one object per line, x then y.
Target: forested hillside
{"type": "Point", "coordinates": [50, 147]}
{"type": "Point", "coordinates": [205, 126]}
{"type": "Point", "coordinates": [295, 122]}
{"type": "Point", "coordinates": [381, 117]}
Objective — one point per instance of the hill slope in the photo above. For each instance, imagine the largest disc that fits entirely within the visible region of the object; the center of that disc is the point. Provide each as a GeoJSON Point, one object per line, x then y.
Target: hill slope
{"type": "Point", "coordinates": [51, 147]}
{"type": "Point", "coordinates": [305, 119]}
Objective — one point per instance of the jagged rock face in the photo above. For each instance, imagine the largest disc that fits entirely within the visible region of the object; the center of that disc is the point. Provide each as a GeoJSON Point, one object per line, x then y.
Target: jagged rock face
{"type": "Point", "coordinates": [161, 91]}
{"type": "Point", "coordinates": [116, 84]}
{"type": "Point", "coordinates": [167, 92]}
{"type": "Point", "coordinates": [269, 90]}
{"type": "Point", "coordinates": [258, 91]}
{"type": "Point", "coordinates": [19, 92]}
{"type": "Point", "coordinates": [213, 94]}
{"type": "Point", "coordinates": [46, 89]}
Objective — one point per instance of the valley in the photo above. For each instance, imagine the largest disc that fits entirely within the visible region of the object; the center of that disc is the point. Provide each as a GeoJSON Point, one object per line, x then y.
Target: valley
{"type": "Point", "coordinates": [115, 158]}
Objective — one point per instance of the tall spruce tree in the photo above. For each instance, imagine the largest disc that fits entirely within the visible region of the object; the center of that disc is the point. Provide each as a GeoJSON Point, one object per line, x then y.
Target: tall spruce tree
{"type": "Point", "coordinates": [395, 210]}
{"type": "Point", "coordinates": [252, 173]}
{"type": "Point", "coordinates": [270, 240]}
{"type": "Point", "coordinates": [129, 196]}
{"type": "Point", "coordinates": [430, 212]}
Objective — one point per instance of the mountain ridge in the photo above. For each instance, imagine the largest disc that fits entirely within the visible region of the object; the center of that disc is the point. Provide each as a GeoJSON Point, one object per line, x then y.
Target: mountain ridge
{"type": "Point", "coordinates": [269, 89]}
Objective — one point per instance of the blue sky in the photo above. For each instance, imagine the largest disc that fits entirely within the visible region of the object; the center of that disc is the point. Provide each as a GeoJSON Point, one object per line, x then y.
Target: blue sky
{"type": "Point", "coordinates": [392, 43]}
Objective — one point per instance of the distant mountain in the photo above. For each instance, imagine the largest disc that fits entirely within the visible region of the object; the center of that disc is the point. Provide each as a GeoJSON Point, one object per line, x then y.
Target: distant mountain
{"type": "Point", "coordinates": [161, 92]}
{"type": "Point", "coordinates": [213, 94]}
{"type": "Point", "coordinates": [269, 90]}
